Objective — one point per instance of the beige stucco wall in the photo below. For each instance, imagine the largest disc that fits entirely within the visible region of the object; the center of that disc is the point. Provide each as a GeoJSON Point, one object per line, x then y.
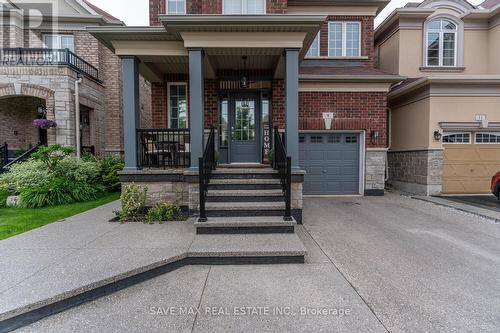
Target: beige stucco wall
{"type": "Point", "coordinates": [410, 126]}
{"type": "Point", "coordinates": [410, 52]}
{"type": "Point", "coordinates": [494, 54]}
{"type": "Point", "coordinates": [388, 54]}
{"type": "Point", "coordinates": [476, 55]}
{"type": "Point", "coordinates": [461, 109]}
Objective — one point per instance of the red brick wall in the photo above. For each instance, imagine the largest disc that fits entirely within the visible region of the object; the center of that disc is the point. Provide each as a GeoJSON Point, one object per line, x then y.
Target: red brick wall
{"type": "Point", "coordinates": [353, 111]}
{"type": "Point", "coordinates": [211, 103]}
{"type": "Point", "coordinates": [277, 6]}
{"type": "Point", "coordinates": [367, 36]}
{"type": "Point", "coordinates": [156, 8]}
{"type": "Point", "coordinates": [278, 103]}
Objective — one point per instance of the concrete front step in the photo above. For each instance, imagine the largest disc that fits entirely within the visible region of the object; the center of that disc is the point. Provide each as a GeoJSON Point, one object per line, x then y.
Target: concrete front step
{"type": "Point", "coordinates": [244, 184]}
{"type": "Point", "coordinates": [245, 206]}
{"type": "Point", "coordinates": [246, 225]}
{"type": "Point", "coordinates": [265, 173]}
{"type": "Point", "coordinates": [270, 248]}
{"type": "Point", "coordinates": [245, 196]}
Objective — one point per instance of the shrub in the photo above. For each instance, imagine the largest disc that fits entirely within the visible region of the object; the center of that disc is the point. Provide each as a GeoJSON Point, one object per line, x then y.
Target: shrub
{"type": "Point", "coordinates": [133, 200]}
{"type": "Point", "coordinates": [110, 166]}
{"type": "Point", "coordinates": [31, 173]}
{"type": "Point", "coordinates": [52, 155]}
{"type": "Point", "coordinates": [4, 194]}
{"type": "Point", "coordinates": [58, 191]}
{"type": "Point", "coordinates": [163, 212]}
{"type": "Point", "coordinates": [80, 171]}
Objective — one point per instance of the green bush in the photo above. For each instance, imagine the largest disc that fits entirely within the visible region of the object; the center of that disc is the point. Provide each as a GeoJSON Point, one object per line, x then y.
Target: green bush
{"type": "Point", "coordinates": [110, 166]}
{"type": "Point", "coordinates": [4, 194]}
{"type": "Point", "coordinates": [52, 155]}
{"type": "Point", "coordinates": [133, 200]}
{"type": "Point", "coordinates": [80, 171]}
{"type": "Point", "coordinates": [31, 173]}
{"type": "Point", "coordinates": [58, 191]}
{"type": "Point", "coordinates": [163, 212]}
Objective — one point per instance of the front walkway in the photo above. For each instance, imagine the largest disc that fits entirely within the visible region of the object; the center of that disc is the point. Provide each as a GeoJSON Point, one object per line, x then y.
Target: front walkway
{"type": "Point", "coordinates": [391, 263]}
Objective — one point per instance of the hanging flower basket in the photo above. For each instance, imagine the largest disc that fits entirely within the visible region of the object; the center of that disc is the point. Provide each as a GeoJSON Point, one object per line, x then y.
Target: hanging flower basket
{"type": "Point", "coordinates": [44, 123]}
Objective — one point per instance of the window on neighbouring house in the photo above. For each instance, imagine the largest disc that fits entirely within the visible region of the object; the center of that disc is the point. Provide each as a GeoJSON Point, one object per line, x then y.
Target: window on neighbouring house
{"type": "Point", "coordinates": [488, 137]}
{"type": "Point", "coordinates": [59, 41]}
{"type": "Point", "coordinates": [314, 50]}
{"type": "Point", "coordinates": [177, 105]}
{"type": "Point", "coordinates": [456, 138]}
{"type": "Point", "coordinates": [441, 45]}
{"type": "Point", "coordinates": [344, 39]}
{"type": "Point", "coordinates": [248, 7]}
{"type": "Point", "coordinates": [176, 7]}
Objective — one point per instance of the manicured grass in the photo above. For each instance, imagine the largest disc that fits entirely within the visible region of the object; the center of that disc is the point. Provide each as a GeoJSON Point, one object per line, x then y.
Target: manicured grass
{"type": "Point", "coordinates": [14, 221]}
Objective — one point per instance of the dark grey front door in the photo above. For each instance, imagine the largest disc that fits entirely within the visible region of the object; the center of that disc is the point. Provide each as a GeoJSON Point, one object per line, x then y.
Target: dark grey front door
{"type": "Point", "coordinates": [245, 120]}
{"type": "Point", "coordinates": [331, 162]}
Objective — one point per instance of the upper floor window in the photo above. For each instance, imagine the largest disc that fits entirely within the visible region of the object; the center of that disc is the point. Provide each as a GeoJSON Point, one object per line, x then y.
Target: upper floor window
{"type": "Point", "coordinates": [314, 50]}
{"type": "Point", "coordinates": [176, 7]}
{"type": "Point", "coordinates": [244, 7]}
{"type": "Point", "coordinates": [441, 43]}
{"type": "Point", "coordinates": [59, 41]}
{"type": "Point", "coordinates": [344, 39]}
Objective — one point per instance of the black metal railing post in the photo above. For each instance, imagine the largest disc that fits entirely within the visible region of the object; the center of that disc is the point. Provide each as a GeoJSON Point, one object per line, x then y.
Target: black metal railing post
{"type": "Point", "coordinates": [203, 212]}
{"type": "Point", "coordinates": [4, 155]}
{"type": "Point", "coordinates": [283, 164]}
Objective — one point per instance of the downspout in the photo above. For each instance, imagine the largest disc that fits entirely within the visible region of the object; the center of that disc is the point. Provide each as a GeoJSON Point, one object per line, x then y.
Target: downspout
{"type": "Point", "coordinates": [77, 117]}
{"type": "Point", "coordinates": [389, 142]}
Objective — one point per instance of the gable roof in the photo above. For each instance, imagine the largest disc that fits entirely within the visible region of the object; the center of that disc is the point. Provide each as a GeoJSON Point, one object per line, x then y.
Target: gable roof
{"type": "Point", "coordinates": [107, 16]}
{"type": "Point", "coordinates": [488, 4]}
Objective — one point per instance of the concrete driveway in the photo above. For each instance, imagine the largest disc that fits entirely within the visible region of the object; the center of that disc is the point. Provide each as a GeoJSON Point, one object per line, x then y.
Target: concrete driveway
{"type": "Point", "coordinates": [482, 201]}
{"type": "Point", "coordinates": [396, 264]}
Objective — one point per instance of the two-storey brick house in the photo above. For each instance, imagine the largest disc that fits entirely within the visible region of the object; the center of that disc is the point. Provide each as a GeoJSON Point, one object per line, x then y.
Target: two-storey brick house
{"type": "Point", "coordinates": [246, 67]}
{"type": "Point", "coordinates": [45, 49]}
{"type": "Point", "coordinates": [446, 115]}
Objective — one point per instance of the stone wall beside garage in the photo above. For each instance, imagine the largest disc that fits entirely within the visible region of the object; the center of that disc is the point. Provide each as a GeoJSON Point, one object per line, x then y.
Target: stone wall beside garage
{"type": "Point", "coordinates": [375, 167]}
{"type": "Point", "coordinates": [418, 172]}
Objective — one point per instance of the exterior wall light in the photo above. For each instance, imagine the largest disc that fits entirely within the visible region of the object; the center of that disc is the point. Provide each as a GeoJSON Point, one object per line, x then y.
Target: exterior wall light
{"type": "Point", "coordinates": [375, 136]}
{"type": "Point", "coordinates": [438, 136]}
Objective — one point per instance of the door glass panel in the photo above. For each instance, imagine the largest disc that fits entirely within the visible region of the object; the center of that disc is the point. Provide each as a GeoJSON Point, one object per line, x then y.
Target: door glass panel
{"type": "Point", "coordinates": [224, 120]}
{"type": "Point", "coordinates": [245, 120]}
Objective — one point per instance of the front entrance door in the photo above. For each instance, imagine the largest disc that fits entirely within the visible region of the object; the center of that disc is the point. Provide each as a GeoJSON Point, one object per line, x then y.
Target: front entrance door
{"type": "Point", "coordinates": [245, 129]}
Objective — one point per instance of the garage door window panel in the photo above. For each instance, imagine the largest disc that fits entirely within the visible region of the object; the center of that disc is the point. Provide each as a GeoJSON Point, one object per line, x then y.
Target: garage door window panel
{"type": "Point", "coordinates": [488, 138]}
{"type": "Point", "coordinates": [457, 138]}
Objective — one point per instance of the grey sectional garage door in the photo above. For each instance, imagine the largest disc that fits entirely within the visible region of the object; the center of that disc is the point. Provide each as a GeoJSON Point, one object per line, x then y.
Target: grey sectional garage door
{"type": "Point", "coordinates": [331, 162]}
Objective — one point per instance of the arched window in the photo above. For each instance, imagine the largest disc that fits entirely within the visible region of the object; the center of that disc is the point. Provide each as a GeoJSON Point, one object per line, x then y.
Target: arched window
{"type": "Point", "coordinates": [441, 43]}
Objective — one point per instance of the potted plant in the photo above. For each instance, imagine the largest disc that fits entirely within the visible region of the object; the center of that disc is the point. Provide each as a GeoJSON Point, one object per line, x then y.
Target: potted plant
{"type": "Point", "coordinates": [44, 124]}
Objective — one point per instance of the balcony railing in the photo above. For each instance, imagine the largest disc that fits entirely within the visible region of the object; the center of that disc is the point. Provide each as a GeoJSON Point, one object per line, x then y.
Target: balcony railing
{"type": "Point", "coordinates": [164, 148]}
{"type": "Point", "coordinates": [47, 57]}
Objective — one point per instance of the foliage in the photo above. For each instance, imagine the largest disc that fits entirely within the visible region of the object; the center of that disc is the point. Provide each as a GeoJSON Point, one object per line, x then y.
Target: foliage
{"type": "Point", "coordinates": [4, 194]}
{"type": "Point", "coordinates": [110, 166]}
{"type": "Point", "coordinates": [80, 171]}
{"type": "Point", "coordinates": [31, 173]}
{"type": "Point", "coordinates": [163, 212]}
{"type": "Point", "coordinates": [133, 202]}
{"type": "Point", "coordinates": [52, 155]}
{"type": "Point", "coordinates": [58, 191]}
{"type": "Point", "coordinates": [270, 156]}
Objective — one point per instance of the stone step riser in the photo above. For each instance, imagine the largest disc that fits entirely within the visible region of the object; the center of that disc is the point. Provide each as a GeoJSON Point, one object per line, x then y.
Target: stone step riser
{"type": "Point", "coordinates": [244, 176]}
{"type": "Point", "coordinates": [245, 212]}
{"type": "Point", "coordinates": [244, 187]}
{"type": "Point", "coordinates": [245, 230]}
{"type": "Point", "coordinates": [245, 199]}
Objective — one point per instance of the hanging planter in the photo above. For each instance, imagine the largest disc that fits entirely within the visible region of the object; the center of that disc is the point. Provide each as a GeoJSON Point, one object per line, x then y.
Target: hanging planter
{"type": "Point", "coordinates": [44, 123]}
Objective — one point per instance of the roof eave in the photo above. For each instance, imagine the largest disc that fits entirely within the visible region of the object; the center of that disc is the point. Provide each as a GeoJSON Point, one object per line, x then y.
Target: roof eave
{"type": "Point", "coordinates": [384, 78]}
{"type": "Point", "coordinates": [396, 15]}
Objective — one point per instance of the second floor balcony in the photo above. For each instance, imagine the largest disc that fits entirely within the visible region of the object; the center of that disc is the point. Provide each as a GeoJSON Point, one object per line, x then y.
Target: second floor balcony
{"type": "Point", "coordinates": [47, 57]}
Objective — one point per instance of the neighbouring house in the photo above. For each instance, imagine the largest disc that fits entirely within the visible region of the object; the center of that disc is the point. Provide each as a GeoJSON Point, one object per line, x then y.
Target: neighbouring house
{"type": "Point", "coordinates": [445, 118]}
{"type": "Point", "coordinates": [44, 50]}
{"type": "Point", "coordinates": [244, 68]}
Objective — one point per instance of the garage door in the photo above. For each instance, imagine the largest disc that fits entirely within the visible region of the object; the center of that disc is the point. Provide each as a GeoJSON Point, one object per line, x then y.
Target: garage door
{"type": "Point", "coordinates": [470, 160]}
{"type": "Point", "coordinates": [331, 162]}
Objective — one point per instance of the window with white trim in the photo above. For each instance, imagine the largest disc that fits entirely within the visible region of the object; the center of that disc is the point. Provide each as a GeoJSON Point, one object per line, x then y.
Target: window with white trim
{"type": "Point", "coordinates": [483, 138]}
{"type": "Point", "coordinates": [441, 43]}
{"type": "Point", "coordinates": [314, 50]}
{"type": "Point", "coordinates": [59, 41]}
{"type": "Point", "coordinates": [458, 138]}
{"type": "Point", "coordinates": [344, 39]}
{"type": "Point", "coordinates": [177, 105]}
{"type": "Point", "coordinates": [244, 7]}
{"type": "Point", "coordinates": [176, 7]}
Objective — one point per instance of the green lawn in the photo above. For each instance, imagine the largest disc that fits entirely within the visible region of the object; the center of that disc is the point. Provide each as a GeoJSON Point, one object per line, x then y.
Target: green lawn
{"type": "Point", "coordinates": [14, 221]}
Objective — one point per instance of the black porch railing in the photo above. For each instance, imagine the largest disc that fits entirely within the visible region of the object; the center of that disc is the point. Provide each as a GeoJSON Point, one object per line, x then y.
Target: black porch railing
{"type": "Point", "coordinates": [4, 155]}
{"type": "Point", "coordinates": [207, 164]}
{"type": "Point", "coordinates": [47, 57]}
{"type": "Point", "coordinates": [164, 148]}
{"type": "Point", "coordinates": [283, 164]}
{"type": "Point", "coordinates": [20, 159]}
